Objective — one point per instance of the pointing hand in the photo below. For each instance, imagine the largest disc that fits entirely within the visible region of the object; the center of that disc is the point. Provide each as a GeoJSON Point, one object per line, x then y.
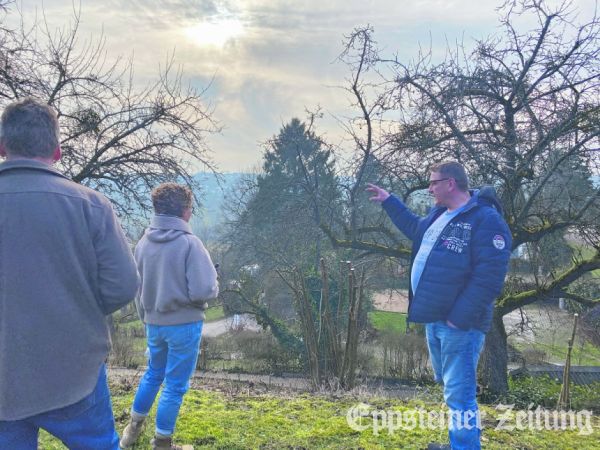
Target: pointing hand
{"type": "Point", "coordinates": [381, 195]}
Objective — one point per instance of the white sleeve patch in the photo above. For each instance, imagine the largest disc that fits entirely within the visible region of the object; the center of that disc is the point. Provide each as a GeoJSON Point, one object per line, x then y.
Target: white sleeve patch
{"type": "Point", "coordinates": [499, 242]}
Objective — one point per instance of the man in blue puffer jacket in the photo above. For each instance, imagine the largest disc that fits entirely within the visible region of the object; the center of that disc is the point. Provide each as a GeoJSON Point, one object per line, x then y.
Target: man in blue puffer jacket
{"type": "Point", "coordinates": [460, 257]}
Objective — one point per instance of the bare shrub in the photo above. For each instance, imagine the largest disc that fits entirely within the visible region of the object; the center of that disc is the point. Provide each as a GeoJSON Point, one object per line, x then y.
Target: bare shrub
{"type": "Point", "coordinates": [264, 349]}
{"type": "Point", "coordinates": [123, 353]}
{"type": "Point", "coordinates": [404, 355]}
{"type": "Point", "coordinates": [247, 350]}
{"type": "Point", "coordinates": [534, 356]}
{"type": "Point", "coordinates": [590, 326]}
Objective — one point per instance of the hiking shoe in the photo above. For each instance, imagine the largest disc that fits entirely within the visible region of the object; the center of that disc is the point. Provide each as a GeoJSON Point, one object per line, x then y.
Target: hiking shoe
{"type": "Point", "coordinates": [436, 446]}
{"type": "Point", "coordinates": [161, 442]}
{"type": "Point", "coordinates": [132, 431]}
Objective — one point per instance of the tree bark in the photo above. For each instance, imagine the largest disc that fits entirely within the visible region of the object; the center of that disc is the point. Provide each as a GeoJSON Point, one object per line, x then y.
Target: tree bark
{"type": "Point", "coordinates": [493, 364]}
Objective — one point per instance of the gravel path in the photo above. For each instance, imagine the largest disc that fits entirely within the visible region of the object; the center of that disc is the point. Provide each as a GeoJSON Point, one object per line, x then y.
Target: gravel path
{"type": "Point", "coordinates": [222, 326]}
{"type": "Point", "coordinates": [263, 383]}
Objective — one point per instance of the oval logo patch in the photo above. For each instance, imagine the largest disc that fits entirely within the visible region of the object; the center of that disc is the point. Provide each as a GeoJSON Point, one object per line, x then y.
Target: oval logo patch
{"type": "Point", "coordinates": [499, 242]}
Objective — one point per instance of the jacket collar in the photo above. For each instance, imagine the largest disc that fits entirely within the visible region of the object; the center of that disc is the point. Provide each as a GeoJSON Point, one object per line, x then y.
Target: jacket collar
{"type": "Point", "coordinates": [163, 222]}
{"type": "Point", "coordinates": [472, 203]}
{"type": "Point", "coordinates": [29, 164]}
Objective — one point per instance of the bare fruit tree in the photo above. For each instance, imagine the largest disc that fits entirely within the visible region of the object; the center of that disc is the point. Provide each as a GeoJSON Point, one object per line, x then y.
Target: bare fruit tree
{"type": "Point", "coordinates": [115, 137]}
{"type": "Point", "coordinates": [521, 111]}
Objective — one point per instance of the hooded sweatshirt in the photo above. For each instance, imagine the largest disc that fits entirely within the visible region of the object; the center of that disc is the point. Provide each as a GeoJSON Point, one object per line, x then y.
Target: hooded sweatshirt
{"type": "Point", "coordinates": [178, 276]}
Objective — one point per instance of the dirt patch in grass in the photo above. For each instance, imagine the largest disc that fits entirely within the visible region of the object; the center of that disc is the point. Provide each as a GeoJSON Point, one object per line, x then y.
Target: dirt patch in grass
{"type": "Point", "coordinates": [391, 300]}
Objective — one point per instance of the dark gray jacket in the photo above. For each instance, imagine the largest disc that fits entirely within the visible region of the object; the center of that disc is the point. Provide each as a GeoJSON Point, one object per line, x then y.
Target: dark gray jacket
{"type": "Point", "coordinates": [64, 265]}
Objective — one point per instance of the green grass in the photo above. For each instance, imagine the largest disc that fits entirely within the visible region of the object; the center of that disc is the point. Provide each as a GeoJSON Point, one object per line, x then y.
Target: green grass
{"type": "Point", "coordinates": [553, 341]}
{"type": "Point", "coordinates": [586, 355]}
{"type": "Point", "coordinates": [544, 391]}
{"type": "Point", "coordinates": [218, 420]}
{"type": "Point", "coordinates": [133, 324]}
{"type": "Point", "coordinates": [585, 251]}
{"type": "Point", "coordinates": [214, 313]}
{"type": "Point", "coordinates": [388, 321]}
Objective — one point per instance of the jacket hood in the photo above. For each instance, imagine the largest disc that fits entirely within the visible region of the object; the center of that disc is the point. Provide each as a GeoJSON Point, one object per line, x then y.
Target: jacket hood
{"type": "Point", "coordinates": [166, 228]}
{"type": "Point", "coordinates": [486, 196]}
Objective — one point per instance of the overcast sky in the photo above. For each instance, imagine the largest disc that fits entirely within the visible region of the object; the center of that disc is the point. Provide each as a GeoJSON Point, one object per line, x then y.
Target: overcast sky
{"type": "Point", "coordinates": [269, 59]}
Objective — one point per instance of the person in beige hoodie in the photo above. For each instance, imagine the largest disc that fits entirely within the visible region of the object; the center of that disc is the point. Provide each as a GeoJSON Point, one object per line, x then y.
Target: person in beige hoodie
{"type": "Point", "coordinates": [178, 277]}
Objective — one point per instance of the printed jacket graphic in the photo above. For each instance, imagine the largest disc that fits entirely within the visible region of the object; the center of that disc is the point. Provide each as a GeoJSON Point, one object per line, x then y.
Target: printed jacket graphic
{"type": "Point", "coordinates": [465, 270]}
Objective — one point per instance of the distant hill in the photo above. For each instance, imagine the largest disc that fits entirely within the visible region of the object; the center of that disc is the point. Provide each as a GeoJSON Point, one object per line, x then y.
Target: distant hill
{"type": "Point", "coordinates": [212, 196]}
{"type": "Point", "coordinates": [213, 193]}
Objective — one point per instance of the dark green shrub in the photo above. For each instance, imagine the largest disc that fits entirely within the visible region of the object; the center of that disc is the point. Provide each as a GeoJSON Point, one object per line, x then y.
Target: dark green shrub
{"type": "Point", "coordinates": [544, 391]}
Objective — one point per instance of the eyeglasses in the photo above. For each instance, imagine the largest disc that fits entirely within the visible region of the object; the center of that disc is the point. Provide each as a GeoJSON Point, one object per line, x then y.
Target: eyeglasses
{"type": "Point", "coordinates": [433, 182]}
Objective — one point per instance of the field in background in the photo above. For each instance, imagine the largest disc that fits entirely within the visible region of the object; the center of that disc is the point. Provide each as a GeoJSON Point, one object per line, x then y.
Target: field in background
{"type": "Point", "coordinates": [542, 333]}
{"type": "Point", "coordinates": [388, 321]}
{"type": "Point", "coordinates": [214, 313]}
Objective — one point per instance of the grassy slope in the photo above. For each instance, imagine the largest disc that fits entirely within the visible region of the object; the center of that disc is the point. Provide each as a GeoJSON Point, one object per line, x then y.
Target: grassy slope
{"type": "Point", "coordinates": [586, 355]}
{"type": "Point", "coordinates": [214, 313]}
{"type": "Point", "coordinates": [388, 321]}
{"type": "Point", "coordinates": [217, 420]}
{"type": "Point", "coordinates": [220, 420]}
{"type": "Point", "coordinates": [585, 251]}
{"type": "Point", "coordinates": [552, 338]}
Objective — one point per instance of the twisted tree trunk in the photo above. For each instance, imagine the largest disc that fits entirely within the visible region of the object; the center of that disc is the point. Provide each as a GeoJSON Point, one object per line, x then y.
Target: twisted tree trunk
{"type": "Point", "coordinates": [493, 362]}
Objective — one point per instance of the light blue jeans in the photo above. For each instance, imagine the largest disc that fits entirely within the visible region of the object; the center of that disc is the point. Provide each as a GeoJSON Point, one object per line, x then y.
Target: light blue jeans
{"type": "Point", "coordinates": [173, 355]}
{"type": "Point", "coordinates": [87, 424]}
{"type": "Point", "coordinates": [454, 355]}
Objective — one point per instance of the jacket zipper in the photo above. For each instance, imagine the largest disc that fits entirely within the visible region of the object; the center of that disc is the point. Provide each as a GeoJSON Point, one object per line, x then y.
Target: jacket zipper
{"type": "Point", "coordinates": [434, 245]}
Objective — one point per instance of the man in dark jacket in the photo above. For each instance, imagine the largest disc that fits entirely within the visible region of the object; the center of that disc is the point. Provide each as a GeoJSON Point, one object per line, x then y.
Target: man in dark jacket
{"type": "Point", "coordinates": [64, 265]}
{"type": "Point", "coordinates": [460, 257]}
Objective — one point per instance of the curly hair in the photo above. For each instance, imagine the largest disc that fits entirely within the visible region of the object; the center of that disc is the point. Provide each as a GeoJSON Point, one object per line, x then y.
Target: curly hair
{"type": "Point", "coordinates": [172, 199]}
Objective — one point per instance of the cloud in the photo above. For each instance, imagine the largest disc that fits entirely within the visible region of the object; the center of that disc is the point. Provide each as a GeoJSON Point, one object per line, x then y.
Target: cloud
{"type": "Point", "coordinates": [160, 14]}
{"type": "Point", "coordinates": [282, 60]}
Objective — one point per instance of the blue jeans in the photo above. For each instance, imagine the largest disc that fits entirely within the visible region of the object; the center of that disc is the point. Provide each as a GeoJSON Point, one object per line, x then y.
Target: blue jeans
{"type": "Point", "coordinates": [454, 355]}
{"type": "Point", "coordinates": [86, 425]}
{"type": "Point", "coordinates": [173, 355]}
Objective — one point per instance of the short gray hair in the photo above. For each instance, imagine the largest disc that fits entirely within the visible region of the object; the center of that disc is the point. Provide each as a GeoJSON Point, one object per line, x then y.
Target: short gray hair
{"type": "Point", "coordinates": [29, 128]}
{"type": "Point", "coordinates": [453, 169]}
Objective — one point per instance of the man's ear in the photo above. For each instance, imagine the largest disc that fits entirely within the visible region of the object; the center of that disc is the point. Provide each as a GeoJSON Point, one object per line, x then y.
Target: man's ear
{"type": "Point", "coordinates": [57, 154]}
{"type": "Point", "coordinates": [452, 183]}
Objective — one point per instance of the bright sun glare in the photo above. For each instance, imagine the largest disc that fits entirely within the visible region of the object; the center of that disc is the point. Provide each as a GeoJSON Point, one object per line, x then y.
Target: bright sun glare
{"type": "Point", "coordinates": [215, 33]}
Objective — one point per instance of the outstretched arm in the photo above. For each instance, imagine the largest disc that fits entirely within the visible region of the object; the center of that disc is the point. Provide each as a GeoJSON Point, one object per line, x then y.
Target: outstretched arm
{"type": "Point", "coordinates": [401, 216]}
{"type": "Point", "coordinates": [380, 194]}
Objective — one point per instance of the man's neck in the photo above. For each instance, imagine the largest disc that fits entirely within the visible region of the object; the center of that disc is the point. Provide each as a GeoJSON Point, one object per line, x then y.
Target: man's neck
{"type": "Point", "coordinates": [459, 201]}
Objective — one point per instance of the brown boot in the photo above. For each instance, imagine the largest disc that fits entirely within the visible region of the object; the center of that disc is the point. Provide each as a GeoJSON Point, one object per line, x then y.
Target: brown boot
{"type": "Point", "coordinates": [161, 442]}
{"type": "Point", "coordinates": [132, 431]}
